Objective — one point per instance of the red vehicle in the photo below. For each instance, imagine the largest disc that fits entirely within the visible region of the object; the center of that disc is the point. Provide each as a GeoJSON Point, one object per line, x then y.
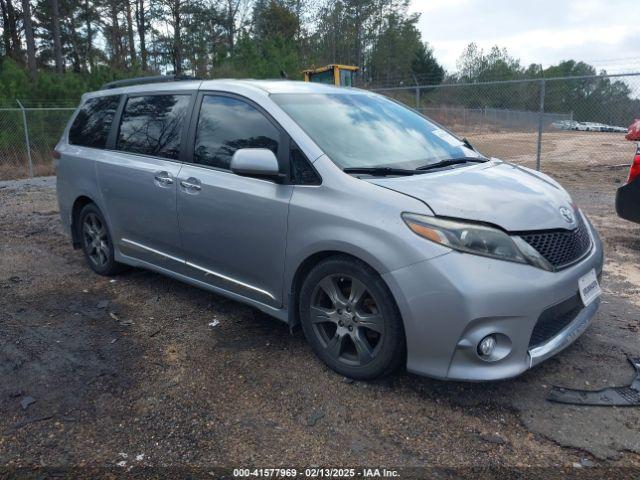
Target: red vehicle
{"type": "Point", "coordinates": [628, 196]}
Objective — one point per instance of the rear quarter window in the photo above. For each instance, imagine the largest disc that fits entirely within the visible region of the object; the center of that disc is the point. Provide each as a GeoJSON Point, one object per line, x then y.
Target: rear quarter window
{"type": "Point", "coordinates": [91, 126]}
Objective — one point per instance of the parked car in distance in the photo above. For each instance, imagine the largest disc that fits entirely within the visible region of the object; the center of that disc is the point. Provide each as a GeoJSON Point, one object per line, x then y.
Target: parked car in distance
{"type": "Point", "coordinates": [564, 124]}
{"type": "Point", "coordinates": [587, 126]}
{"type": "Point", "coordinates": [592, 127]}
{"type": "Point", "coordinates": [388, 239]}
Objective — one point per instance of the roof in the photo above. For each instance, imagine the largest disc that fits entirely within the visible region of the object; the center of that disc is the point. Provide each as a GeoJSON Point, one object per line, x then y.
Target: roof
{"type": "Point", "coordinates": [263, 87]}
{"type": "Point", "coordinates": [126, 82]}
{"type": "Point", "coordinates": [274, 86]}
{"type": "Point", "coordinates": [147, 87]}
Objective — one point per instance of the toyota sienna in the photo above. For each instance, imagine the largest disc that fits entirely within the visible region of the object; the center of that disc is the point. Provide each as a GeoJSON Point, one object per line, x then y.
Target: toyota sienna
{"type": "Point", "coordinates": [386, 237]}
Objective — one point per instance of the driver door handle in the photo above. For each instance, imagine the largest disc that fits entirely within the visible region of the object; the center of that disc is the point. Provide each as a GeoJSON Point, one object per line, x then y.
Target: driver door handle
{"type": "Point", "coordinates": [191, 184]}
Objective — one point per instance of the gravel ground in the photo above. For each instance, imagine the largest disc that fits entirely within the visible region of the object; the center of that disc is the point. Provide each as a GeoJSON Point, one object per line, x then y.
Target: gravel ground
{"type": "Point", "coordinates": [98, 372]}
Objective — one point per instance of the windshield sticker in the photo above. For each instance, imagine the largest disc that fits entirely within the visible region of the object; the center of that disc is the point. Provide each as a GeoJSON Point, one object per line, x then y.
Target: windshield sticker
{"type": "Point", "coordinates": [447, 137]}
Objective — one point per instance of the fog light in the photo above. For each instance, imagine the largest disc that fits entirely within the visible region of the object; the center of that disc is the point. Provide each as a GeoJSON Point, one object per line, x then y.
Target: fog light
{"type": "Point", "coordinates": [487, 345]}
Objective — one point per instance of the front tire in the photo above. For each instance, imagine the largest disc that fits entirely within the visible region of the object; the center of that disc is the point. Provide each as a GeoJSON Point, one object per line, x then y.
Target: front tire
{"type": "Point", "coordinates": [96, 241]}
{"type": "Point", "coordinates": [350, 319]}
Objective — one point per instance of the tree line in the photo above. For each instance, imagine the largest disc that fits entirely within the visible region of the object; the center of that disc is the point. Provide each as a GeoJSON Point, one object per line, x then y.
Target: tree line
{"type": "Point", "coordinates": [79, 44]}
{"type": "Point", "coordinates": [582, 91]}
{"type": "Point", "coordinates": [54, 50]}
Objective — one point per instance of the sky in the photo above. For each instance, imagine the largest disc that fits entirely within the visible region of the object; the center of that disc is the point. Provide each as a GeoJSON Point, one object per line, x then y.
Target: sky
{"type": "Point", "coordinates": [604, 33]}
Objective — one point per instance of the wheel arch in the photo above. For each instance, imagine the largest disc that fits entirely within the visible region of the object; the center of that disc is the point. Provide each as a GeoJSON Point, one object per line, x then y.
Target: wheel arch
{"type": "Point", "coordinates": [303, 269]}
{"type": "Point", "coordinates": [78, 204]}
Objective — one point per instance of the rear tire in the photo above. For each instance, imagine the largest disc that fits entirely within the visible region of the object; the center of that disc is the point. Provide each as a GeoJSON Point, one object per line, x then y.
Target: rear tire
{"type": "Point", "coordinates": [96, 241]}
{"type": "Point", "coordinates": [351, 320]}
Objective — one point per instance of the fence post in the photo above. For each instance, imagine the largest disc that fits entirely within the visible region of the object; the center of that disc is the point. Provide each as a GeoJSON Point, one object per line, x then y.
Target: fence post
{"type": "Point", "coordinates": [540, 123]}
{"type": "Point", "coordinates": [26, 137]}
{"type": "Point", "coordinates": [415, 80]}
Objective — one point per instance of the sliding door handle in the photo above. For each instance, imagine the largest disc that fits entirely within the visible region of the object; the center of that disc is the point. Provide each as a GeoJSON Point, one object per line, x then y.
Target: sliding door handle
{"type": "Point", "coordinates": [163, 179]}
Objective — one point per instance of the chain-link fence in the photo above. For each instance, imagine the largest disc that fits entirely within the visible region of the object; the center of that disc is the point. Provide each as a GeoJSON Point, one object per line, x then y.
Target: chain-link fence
{"type": "Point", "coordinates": [541, 123]}
{"type": "Point", "coordinates": [559, 124]}
{"type": "Point", "coordinates": [27, 138]}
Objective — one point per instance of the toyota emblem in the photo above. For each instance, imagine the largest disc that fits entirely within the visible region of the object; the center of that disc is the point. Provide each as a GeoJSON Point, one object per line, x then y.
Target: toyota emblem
{"type": "Point", "coordinates": [567, 214]}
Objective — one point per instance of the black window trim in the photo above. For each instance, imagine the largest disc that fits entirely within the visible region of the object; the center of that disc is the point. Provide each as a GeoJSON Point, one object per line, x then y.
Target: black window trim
{"type": "Point", "coordinates": [290, 144]}
{"type": "Point", "coordinates": [187, 140]}
{"type": "Point", "coordinates": [115, 126]}
{"type": "Point", "coordinates": [113, 120]}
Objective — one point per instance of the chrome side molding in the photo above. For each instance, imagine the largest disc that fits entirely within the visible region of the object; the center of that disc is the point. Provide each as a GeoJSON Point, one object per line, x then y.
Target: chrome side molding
{"type": "Point", "coordinates": [197, 267]}
{"type": "Point", "coordinates": [229, 279]}
{"type": "Point", "coordinates": [153, 250]}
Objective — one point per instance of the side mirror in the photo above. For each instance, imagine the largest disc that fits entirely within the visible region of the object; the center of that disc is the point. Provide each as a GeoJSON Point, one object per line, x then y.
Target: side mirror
{"type": "Point", "coordinates": [255, 162]}
{"type": "Point", "coordinates": [467, 144]}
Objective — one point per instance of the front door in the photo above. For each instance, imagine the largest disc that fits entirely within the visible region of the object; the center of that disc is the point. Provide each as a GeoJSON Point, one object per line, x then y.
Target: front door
{"type": "Point", "coordinates": [233, 228]}
{"type": "Point", "coordinates": [139, 179]}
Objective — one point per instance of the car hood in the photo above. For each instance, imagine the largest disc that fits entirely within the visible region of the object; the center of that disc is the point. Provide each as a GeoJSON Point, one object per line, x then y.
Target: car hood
{"type": "Point", "coordinates": [512, 197]}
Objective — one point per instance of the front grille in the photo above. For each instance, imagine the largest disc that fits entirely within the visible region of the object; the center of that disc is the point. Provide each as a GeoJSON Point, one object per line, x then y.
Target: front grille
{"type": "Point", "coordinates": [554, 319]}
{"type": "Point", "coordinates": [561, 248]}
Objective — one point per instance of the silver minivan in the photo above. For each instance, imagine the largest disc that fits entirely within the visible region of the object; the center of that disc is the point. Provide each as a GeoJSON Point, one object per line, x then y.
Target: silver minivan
{"type": "Point", "coordinates": [386, 237]}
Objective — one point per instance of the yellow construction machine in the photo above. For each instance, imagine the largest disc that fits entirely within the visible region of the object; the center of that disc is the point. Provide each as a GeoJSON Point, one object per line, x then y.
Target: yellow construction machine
{"type": "Point", "coordinates": [334, 74]}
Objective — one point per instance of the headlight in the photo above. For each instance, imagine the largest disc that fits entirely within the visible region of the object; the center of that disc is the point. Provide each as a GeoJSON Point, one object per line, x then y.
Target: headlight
{"type": "Point", "coordinates": [473, 238]}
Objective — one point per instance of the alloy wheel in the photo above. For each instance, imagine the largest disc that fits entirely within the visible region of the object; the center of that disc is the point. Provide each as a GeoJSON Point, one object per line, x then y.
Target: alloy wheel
{"type": "Point", "coordinates": [347, 320]}
{"type": "Point", "coordinates": [96, 240]}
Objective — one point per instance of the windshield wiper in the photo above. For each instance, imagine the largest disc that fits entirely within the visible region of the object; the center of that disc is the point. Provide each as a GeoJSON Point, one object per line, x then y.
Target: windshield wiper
{"type": "Point", "coordinates": [380, 171]}
{"type": "Point", "coordinates": [453, 161]}
{"type": "Point", "coordinates": [384, 171]}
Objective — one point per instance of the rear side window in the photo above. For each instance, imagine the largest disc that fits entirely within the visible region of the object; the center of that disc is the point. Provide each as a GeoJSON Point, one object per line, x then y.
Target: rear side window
{"type": "Point", "coordinates": [93, 122]}
{"type": "Point", "coordinates": [152, 125]}
{"type": "Point", "coordinates": [226, 124]}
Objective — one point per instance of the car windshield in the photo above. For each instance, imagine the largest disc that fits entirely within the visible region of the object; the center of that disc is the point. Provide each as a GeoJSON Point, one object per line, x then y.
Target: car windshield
{"type": "Point", "coordinates": [359, 130]}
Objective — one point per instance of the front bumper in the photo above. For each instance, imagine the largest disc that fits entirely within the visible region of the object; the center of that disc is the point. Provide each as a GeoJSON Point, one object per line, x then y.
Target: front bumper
{"type": "Point", "coordinates": [451, 302]}
{"type": "Point", "coordinates": [628, 201]}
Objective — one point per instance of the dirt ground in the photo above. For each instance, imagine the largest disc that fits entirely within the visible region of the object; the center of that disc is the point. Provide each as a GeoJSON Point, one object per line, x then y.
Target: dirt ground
{"type": "Point", "coordinates": [128, 372]}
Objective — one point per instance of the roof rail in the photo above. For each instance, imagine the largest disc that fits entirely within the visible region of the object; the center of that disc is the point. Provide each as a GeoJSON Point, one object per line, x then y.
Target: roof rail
{"type": "Point", "coordinates": [144, 80]}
